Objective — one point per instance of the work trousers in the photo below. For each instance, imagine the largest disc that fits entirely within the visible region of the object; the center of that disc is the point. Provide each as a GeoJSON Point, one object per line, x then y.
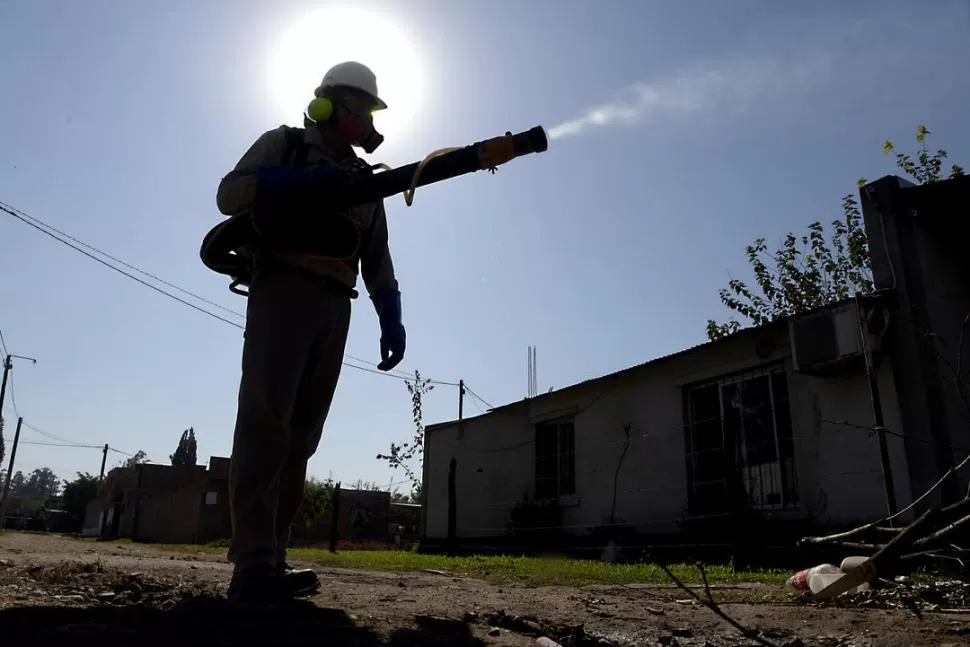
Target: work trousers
{"type": "Point", "coordinates": [296, 332]}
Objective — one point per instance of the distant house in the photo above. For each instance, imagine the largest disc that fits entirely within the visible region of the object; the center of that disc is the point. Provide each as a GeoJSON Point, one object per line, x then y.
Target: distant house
{"type": "Point", "coordinates": [780, 423]}
{"type": "Point", "coordinates": [363, 515]}
{"type": "Point", "coordinates": [190, 504]}
{"type": "Point", "coordinates": [163, 503]}
{"type": "Point", "coordinates": [676, 440]}
{"type": "Point", "coordinates": [406, 517]}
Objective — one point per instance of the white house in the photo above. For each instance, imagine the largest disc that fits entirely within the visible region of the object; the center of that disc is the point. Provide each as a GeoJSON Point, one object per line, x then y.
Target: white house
{"type": "Point", "coordinates": [787, 405]}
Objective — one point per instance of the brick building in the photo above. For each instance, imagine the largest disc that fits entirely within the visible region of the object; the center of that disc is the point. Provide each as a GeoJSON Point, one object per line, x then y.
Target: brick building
{"type": "Point", "coordinates": [163, 503]}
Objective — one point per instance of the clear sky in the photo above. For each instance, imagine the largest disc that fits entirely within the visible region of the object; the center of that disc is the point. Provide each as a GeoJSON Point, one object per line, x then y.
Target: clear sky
{"type": "Point", "coordinates": [685, 130]}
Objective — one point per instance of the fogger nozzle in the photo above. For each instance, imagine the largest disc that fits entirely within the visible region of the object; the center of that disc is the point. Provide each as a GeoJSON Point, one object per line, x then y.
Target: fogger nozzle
{"type": "Point", "coordinates": [538, 140]}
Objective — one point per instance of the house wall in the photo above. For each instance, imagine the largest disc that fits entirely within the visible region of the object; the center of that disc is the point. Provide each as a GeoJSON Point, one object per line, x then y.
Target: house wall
{"type": "Point", "coordinates": [162, 508]}
{"type": "Point", "coordinates": [917, 246]}
{"type": "Point", "coordinates": [947, 303]}
{"type": "Point", "coordinates": [214, 514]}
{"type": "Point", "coordinates": [164, 503]}
{"type": "Point", "coordinates": [946, 298]}
{"type": "Point", "coordinates": [219, 467]}
{"type": "Point", "coordinates": [170, 518]}
{"type": "Point", "coordinates": [838, 458]}
{"type": "Point", "coordinates": [837, 466]}
{"type": "Point", "coordinates": [167, 478]}
{"type": "Point", "coordinates": [92, 518]}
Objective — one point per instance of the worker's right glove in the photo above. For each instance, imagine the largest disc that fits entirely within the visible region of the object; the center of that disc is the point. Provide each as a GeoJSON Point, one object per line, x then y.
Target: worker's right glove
{"type": "Point", "coordinates": [387, 303]}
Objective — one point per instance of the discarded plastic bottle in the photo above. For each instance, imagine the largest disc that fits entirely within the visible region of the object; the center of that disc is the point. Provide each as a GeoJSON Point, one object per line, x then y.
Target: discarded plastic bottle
{"type": "Point", "coordinates": [801, 581]}
{"type": "Point", "coordinates": [820, 577]}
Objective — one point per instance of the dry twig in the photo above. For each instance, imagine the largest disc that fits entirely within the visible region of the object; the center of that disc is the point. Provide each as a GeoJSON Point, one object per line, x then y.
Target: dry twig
{"type": "Point", "coordinates": [713, 606]}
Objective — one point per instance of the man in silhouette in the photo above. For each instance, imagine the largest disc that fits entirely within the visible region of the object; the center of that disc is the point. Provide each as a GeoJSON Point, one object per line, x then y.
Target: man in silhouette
{"type": "Point", "coordinates": [305, 264]}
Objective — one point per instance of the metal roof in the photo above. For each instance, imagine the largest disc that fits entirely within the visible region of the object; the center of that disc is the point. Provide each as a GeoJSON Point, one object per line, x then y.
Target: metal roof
{"type": "Point", "coordinates": [745, 332]}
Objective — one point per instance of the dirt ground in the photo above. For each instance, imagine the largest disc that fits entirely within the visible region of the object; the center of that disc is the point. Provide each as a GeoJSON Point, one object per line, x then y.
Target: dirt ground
{"type": "Point", "coordinates": [58, 591]}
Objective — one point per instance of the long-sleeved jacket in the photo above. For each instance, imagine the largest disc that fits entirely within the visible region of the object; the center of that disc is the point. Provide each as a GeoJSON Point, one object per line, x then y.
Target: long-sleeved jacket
{"type": "Point", "coordinates": [237, 192]}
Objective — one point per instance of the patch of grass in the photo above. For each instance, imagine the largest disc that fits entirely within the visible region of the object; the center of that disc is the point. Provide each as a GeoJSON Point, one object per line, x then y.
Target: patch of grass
{"type": "Point", "coordinates": [538, 571]}
{"type": "Point", "coordinates": [213, 548]}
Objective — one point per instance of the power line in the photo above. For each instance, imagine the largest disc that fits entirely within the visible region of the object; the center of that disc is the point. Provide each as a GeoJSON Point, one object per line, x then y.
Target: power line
{"type": "Point", "coordinates": [38, 221]}
{"type": "Point", "coordinates": [34, 221]}
{"type": "Point", "coordinates": [406, 378]}
{"type": "Point", "coordinates": [478, 397]}
{"type": "Point", "coordinates": [3, 345]}
{"type": "Point", "coordinates": [392, 373]}
{"type": "Point", "coordinates": [13, 395]}
{"type": "Point", "coordinates": [39, 224]}
{"type": "Point", "coordinates": [3, 207]}
{"type": "Point", "coordinates": [56, 438]}
{"type": "Point", "coordinates": [66, 442]}
{"type": "Point", "coordinates": [43, 227]}
{"type": "Point", "coordinates": [72, 445]}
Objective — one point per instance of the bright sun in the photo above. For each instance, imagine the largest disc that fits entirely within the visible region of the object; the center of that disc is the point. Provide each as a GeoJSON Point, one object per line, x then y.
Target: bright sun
{"type": "Point", "coordinates": [322, 38]}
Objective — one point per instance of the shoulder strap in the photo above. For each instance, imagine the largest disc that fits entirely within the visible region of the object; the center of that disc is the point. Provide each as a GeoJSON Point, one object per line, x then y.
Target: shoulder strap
{"type": "Point", "coordinates": [296, 149]}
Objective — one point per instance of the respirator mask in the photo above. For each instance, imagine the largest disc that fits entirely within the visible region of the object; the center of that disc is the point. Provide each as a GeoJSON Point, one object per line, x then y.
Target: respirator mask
{"type": "Point", "coordinates": [352, 115]}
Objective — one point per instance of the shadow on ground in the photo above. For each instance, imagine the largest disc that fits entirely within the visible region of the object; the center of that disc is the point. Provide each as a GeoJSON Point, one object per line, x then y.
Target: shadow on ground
{"type": "Point", "coordinates": [216, 622]}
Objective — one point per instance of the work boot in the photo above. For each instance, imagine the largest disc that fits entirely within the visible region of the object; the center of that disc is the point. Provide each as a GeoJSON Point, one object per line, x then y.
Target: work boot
{"type": "Point", "coordinates": [302, 581]}
{"type": "Point", "coordinates": [260, 583]}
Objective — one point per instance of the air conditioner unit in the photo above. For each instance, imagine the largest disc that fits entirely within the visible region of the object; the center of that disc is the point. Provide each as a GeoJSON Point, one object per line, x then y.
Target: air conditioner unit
{"type": "Point", "coordinates": [827, 341]}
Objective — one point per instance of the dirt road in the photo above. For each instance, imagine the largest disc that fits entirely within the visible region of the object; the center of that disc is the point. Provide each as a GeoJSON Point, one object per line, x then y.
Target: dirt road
{"type": "Point", "coordinates": [58, 591]}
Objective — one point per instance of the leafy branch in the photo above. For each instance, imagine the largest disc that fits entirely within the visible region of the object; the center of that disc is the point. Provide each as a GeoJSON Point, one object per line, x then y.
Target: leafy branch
{"type": "Point", "coordinates": [401, 456]}
{"type": "Point", "coordinates": [810, 271]}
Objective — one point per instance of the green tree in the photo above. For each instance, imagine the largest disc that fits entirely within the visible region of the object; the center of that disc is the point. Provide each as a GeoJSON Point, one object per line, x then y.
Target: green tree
{"type": "Point", "coordinates": [38, 485]}
{"type": "Point", "coordinates": [185, 453]}
{"type": "Point", "coordinates": [361, 484]}
{"type": "Point", "coordinates": [17, 482]}
{"type": "Point", "coordinates": [317, 500]}
{"type": "Point", "coordinates": [77, 494]}
{"type": "Point", "coordinates": [810, 271]}
{"type": "Point", "coordinates": [401, 456]}
{"type": "Point", "coordinates": [416, 493]}
{"type": "Point", "coordinates": [139, 458]}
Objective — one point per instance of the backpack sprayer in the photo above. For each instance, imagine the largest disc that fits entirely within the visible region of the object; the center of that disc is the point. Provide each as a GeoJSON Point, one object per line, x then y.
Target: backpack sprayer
{"type": "Point", "coordinates": [224, 246]}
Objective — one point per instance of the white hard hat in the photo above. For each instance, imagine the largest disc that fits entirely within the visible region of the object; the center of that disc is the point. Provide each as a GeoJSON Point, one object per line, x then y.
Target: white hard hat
{"type": "Point", "coordinates": [352, 74]}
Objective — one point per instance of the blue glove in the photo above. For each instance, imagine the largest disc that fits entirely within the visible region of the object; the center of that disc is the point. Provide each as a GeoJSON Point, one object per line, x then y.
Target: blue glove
{"type": "Point", "coordinates": [388, 306]}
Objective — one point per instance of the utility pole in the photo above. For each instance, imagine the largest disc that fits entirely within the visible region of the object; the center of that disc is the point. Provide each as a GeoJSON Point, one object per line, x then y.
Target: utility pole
{"type": "Point", "coordinates": [461, 399]}
{"type": "Point", "coordinates": [7, 367]}
{"type": "Point", "coordinates": [461, 409]}
{"type": "Point", "coordinates": [104, 459]}
{"type": "Point", "coordinates": [6, 483]}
